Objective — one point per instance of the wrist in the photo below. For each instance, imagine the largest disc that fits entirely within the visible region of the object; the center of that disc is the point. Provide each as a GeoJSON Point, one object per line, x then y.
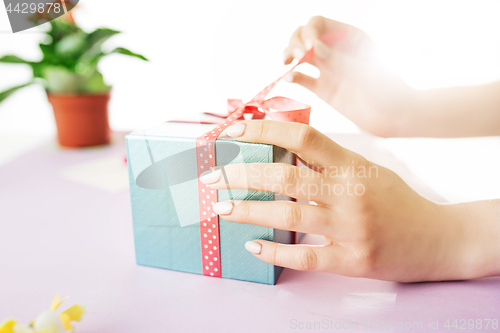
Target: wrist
{"type": "Point", "coordinates": [477, 237]}
{"type": "Point", "coordinates": [401, 114]}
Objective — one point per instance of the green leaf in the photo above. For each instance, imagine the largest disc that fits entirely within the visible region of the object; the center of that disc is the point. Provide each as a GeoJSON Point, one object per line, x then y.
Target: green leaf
{"type": "Point", "coordinates": [37, 68]}
{"type": "Point", "coordinates": [8, 92]}
{"type": "Point", "coordinates": [92, 50]}
{"type": "Point", "coordinates": [47, 50]}
{"type": "Point", "coordinates": [124, 51]}
{"type": "Point", "coordinates": [100, 36]}
{"type": "Point", "coordinates": [49, 55]}
{"type": "Point", "coordinates": [12, 59]}
{"type": "Point", "coordinates": [70, 59]}
{"type": "Point", "coordinates": [96, 38]}
{"type": "Point", "coordinates": [61, 28]}
{"type": "Point", "coordinates": [88, 64]}
{"type": "Point", "coordinates": [95, 84]}
{"type": "Point", "coordinates": [62, 80]}
{"type": "Point", "coordinates": [71, 46]}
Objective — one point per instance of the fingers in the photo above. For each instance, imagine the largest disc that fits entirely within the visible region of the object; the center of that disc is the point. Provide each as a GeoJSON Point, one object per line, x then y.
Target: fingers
{"type": "Point", "coordinates": [295, 48]}
{"type": "Point", "coordinates": [284, 215]}
{"type": "Point", "coordinates": [311, 37]}
{"type": "Point", "coordinates": [298, 47]}
{"type": "Point", "coordinates": [309, 144]}
{"type": "Point", "coordinates": [292, 181]}
{"type": "Point", "coordinates": [306, 81]}
{"type": "Point", "coordinates": [310, 33]}
{"type": "Point", "coordinates": [308, 36]}
{"type": "Point", "coordinates": [331, 258]}
{"type": "Point", "coordinates": [299, 257]}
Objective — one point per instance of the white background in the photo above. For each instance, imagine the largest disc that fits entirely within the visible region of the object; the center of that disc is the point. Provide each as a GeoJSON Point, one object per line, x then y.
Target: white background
{"type": "Point", "coordinates": [203, 52]}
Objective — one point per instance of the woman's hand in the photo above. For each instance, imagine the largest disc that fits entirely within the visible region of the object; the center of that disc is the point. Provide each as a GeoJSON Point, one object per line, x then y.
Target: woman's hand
{"type": "Point", "coordinates": [375, 225]}
{"type": "Point", "coordinates": [351, 80]}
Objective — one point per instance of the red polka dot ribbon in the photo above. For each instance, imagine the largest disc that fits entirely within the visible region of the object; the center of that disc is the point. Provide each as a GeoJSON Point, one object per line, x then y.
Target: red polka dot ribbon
{"type": "Point", "coordinates": [209, 221]}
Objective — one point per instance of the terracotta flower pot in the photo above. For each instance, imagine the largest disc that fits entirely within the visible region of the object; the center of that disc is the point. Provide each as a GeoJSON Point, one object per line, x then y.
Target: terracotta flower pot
{"type": "Point", "coordinates": [81, 120]}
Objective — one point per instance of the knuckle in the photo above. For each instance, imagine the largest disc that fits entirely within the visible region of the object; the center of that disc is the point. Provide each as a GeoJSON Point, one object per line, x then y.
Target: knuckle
{"type": "Point", "coordinates": [290, 216]}
{"type": "Point", "coordinates": [273, 256]}
{"type": "Point", "coordinates": [306, 259]}
{"type": "Point", "coordinates": [306, 137]}
{"type": "Point", "coordinates": [356, 164]}
{"type": "Point", "coordinates": [287, 177]}
{"type": "Point", "coordinates": [243, 209]}
{"type": "Point", "coordinates": [366, 261]}
{"type": "Point", "coordinates": [358, 161]}
{"type": "Point", "coordinates": [263, 129]}
{"type": "Point", "coordinates": [315, 20]}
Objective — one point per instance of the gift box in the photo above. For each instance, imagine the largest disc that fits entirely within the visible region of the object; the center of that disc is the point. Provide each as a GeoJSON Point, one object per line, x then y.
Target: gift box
{"type": "Point", "coordinates": [164, 190]}
{"type": "Point", "coordinates": [174, 226]}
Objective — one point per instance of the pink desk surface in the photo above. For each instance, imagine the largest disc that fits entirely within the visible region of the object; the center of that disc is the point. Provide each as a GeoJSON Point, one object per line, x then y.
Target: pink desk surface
{"type": "Point", "coordinates": [57, 236]}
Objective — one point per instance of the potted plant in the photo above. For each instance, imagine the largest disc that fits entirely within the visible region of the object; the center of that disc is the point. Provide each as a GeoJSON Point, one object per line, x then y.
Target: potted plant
{"type": "Point", "coordinates": [75, 87]}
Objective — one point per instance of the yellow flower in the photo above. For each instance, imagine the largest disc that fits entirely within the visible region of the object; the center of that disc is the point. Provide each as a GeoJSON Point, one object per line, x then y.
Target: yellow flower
{"type": "Point", "coordinates": [74, 313]}
{"type": "Point", "coordinates": [8, 326]}
{"type": "Point", "coordinates": [49, 321]}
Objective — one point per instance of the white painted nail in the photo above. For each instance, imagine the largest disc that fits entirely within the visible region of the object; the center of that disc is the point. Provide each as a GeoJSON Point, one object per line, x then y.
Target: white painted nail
{"type": "Point", "coordinates": [308, 44]}
{"type": "Point", "coordinates": [235, 131]}
{"type": "Point", "coordinates": [210, 177]}
{"type": "Point", "coordinates": [321, 50]}
{"type": "Point", "coordinates": [223, 208]}
{"type": "Point", "coordinates": [297, 53]}
{"type": "Point", "coordinates": [253, 247]}
{"type": "Point", "coordinates": [223, 134]}
{"type": "Point", "coordinates": [288, 77]}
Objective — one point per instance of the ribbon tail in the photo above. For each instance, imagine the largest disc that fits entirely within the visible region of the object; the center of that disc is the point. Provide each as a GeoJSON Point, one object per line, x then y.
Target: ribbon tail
{"type": "Point", "coordinates": [308, 56]}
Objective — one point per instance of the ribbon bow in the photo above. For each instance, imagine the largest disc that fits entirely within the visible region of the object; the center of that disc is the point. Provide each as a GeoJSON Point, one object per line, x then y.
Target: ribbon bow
{"type": "Point", "coordinates": [277, 108]}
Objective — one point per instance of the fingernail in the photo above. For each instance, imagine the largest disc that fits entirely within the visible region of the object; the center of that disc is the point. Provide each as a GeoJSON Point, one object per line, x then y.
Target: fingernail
{"type": "Point", "coordinates": [253, 246]}
{"type": "Point", "coordinates": [210, 177]}
{"type": "Point", "coordinates": [308, 44]}
{"type": "Point", "coordinates": [235, 131]}
{"type": "Point", "coordinates": [288, 77]}
{"type": "Point", "coordinates": [321, 50]}
{"type": "Point", "coordinates": [223, 208]}
{"type": "Point", "coordinates": [298, 53]}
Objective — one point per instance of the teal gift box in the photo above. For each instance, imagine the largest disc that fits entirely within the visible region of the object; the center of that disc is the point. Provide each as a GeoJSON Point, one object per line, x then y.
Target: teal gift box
{"type": "Point", "coordinates": [164, 197]}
